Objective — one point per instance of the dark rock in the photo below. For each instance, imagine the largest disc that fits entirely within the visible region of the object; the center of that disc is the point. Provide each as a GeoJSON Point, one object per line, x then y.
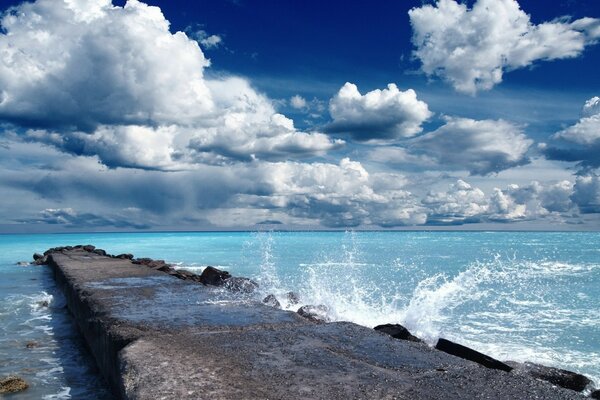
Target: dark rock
{"type": "Point", "coordinates": [12, 384]}
{"type": "Point", "coordinates": [23, 263]}
{"type": "Point", "coordinates": [37, 256]}
{"type": "Point", "coordinates": [560, 377]}
{"type": "Point", "coordinates": [31, 344]}
{"type": "Point", "coordinates": [100, 252]}
{"type": "Point", "coordinates": [314, 313]}
{"type": "Point", "coordinates": [89, 248]}
{"type": "Point", "coordinates": [397, 332]}
{"type": "Point", "coordinates": [184, 274]}
{"type": "Point", "coordinates": [292, 298]}
{"type": "Point", "coordinates": [272, 301]}
{"type": "Point", "coordinates": [242, 285]}
{"type": "Point", "coordinates": [461, 351]}
{"type": "Point", "coordinates": [142, 261]}
{"type": "Point", "coordinates": [125, 256]}
{"type": "Point", "coordinates": [41, 261]}
{"type": "Point", "coordinates": [595, 394]}
{"type": "Point", "coordinates": [214, 276]}
{"type": "Point", "coordinates": [44, 303]}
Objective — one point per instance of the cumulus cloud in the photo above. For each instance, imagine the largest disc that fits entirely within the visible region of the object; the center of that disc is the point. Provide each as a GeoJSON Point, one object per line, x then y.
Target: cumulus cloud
{"type": "Point", "coordinates": [93, 78]}
{"type": "Point", "coordinates": [342, 195]}
{"type": "Point", "coordinates": [463, 203]}
{"type": "Point", "coordinates": [379, 115]}
{"type": "Point", "coordinates": [207, 41]}
{"type": "Point", "coordinates": [298, 102]}
{"type": "Point", "coordinates": [480, 147]}
{"type": "Point", "coordinates": [86, 63]}
{"type": "Point", "coordinates": [587, 193]}
{"type": "Point", "coordinates": [579, 142]}
{"type": "Point", "coordinates": [472, 48]}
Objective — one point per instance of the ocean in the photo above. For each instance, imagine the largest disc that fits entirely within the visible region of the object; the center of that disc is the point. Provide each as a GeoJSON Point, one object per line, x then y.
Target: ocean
{"type": "Point", "coordinates": [521, 296]}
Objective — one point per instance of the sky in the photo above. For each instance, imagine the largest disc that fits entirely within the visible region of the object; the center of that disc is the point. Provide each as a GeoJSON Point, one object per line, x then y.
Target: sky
{"type": "Point", "coordinates": [238, 114]}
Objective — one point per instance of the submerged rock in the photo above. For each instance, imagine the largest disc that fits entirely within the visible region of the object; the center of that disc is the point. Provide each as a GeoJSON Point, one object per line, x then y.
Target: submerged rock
{"type": "Point", "coordinates": [31, 344]}
{"type": "Point", "coordinates": [397, 331]}
{"type": "Point", "coordinates": [467, 353]}
{"type": "Point", "coordinates": [12, 384]}
{"type": "Point", "coordinates": [314, 313]}
{"type": "Point", "coordinates": [272, 301]}
{"type": "Point", "coordinates": [23, 263]}
{"type": "Point", "coordinates": [214, 276]}
{"type": "Point", "coordinates": [292, 298]}
{"type": "Point", "coordinates": [242, 285]}
{"type": "Point", "coordinates": [560, 377]}
{"type": "Point", "coordinates": [39, 259]}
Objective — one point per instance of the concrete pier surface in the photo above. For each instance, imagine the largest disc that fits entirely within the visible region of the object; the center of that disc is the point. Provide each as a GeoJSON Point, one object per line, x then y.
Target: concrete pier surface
{"type": "Point", "coordinates": [157, 337]}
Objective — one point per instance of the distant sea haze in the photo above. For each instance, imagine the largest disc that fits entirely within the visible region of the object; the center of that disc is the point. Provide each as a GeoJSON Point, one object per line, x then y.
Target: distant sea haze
{"type": "Point", "coordinates": [522, 296]}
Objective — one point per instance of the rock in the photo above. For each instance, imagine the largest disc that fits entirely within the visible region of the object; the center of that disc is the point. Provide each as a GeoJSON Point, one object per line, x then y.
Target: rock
{"type": "Point", "coordinates": [292, 298]}
{"type": "Point", "coordinates": [595, 394]}
{"type": "Point", "coordinates": [12, 384]}
{"type": "Point", "coordinates": [397, 332]}
{"type": "Point", "coordinates": [23, 263]}
{"type": "Point", "coordinates": [242, 285]}
{"type": "Point", "coordinates": [125, 256]}
{"type": "Point", "coordinates": [37, 256]}
{"type": "Point", "coordinates": [89, 248]}
{"type": "Point", "coordinates": [43, 303]}
{"type": "Point", "coordinates": [314, 313]}
{"type": "Point", "coordinates": [461, 351]}
{"type": "Point", "coordinates": [142, 261]}
{"type": "Point", "coordinates": [559, 377]}
{"type": "Point", "coordinates": [31, 344]}
{"type": "Point", "coordinates": [100, 252]}
{"type": "Point", "coordinates": [272, 301]}
{"type": "Point", "coordinates": [214, 276]}
{"type": "Point", "coordinates": [41, 261]}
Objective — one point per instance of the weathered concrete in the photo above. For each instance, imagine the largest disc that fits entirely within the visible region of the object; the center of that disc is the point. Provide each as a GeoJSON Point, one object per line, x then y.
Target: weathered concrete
{"type": "Point", "coordinates": [154, 336]}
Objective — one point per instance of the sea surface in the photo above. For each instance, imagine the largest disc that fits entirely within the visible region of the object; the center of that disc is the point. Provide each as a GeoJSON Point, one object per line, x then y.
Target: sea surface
{"type": "Point", "coordinates": [523, 296]}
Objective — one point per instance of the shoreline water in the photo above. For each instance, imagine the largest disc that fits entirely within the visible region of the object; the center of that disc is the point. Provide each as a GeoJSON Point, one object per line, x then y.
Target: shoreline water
{"type": "Point", "coordinates": [349, 254]}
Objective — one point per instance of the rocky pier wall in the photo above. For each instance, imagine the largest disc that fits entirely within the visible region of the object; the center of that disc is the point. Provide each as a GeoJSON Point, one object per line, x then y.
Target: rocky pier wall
{"type": "Point", "coordinates": [205, 337]}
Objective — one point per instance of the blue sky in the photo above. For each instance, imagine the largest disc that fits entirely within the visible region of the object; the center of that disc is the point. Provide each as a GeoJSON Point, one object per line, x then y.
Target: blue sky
{"type": "Point", "coordinates": [227, 114]}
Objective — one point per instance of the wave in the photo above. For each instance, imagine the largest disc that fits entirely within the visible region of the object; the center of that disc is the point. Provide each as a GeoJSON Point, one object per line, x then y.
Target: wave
{"type": "Point", "coordinates": [510, 308]}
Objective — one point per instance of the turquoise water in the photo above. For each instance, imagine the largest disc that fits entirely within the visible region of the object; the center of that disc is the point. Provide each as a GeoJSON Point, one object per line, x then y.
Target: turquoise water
{"type": "Point", "coordinates": [515, 295]}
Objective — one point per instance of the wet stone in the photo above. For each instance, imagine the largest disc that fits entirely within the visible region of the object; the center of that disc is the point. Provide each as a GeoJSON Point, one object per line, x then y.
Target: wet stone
{"type": "Point", "coordinates": [12, 384]}
{"type": "Point", "coordinates": [467, 353]}
{"type": "Point", "coordinates": [561, 377]}
{"type": "Point", "coordinates": [397, 331]}
{"type": "Point", "coordinates": [316, 313]}
{"type": "Point", "coordinates": [272, 301]}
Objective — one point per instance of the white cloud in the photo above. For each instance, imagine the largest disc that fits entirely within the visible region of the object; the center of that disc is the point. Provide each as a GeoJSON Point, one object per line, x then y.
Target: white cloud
{"type": "Point", "coordinates": [341, 195]}
{"type": "Point", "coordinates": [480, 147]}
{"type": "Point", "coordinates": [461, 203]}
{"type": "Point", "coordinates": [579, 142]}
{"type": "Point", "coordinates": [379, 115]}
{"type": "Point", "coordinates": [587, 193]}
{"type": "Point", "coordinates": [298, 102]}
{"type": "Point", "coordinates": [211, 41]}
{"type": "Point", "coordinates": [116, 82]}
{"type": "Point", "coordinates": [472, 48]}
{"type": "Point", "coordinates": [88, 63]}
{"type": "Point", "coordinates": [591, 107]}
{"type": "Point", "coordinates": [587, 130]}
